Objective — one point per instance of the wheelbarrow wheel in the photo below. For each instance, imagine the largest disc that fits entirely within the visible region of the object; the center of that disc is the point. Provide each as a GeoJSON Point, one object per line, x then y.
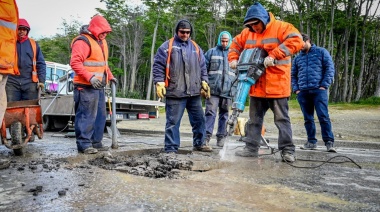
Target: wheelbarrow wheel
{"type": "Point", "coordinates": [16, 137]}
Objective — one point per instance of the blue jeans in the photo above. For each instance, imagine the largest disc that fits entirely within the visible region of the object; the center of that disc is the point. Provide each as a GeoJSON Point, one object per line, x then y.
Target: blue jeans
{"type": "Point", "coordinates": [174, 112]}
{"type": "Point", "coordinates": [316, 99]}
{"type": "Point", "coordinates": [90, 117]}
{"type": "Point", "coordinates": [16, 92]}
{"type": "Point", "coordinates": [257, 109]}
{"type": "Point", "coordinates": [212, 105]}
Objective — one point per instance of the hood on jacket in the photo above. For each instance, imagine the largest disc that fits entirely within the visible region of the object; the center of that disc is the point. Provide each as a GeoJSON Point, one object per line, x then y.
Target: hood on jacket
{"type": "Point", "coordinates": [184, 24]}
{"type": "Point", "coordinates": [98, 25]}
{"type": "Point", "coordinates": [257, 11]}
{"type": "Point", "coordinates": [220, 37]}
{"type": "Point", "coordinates": [23, 23]}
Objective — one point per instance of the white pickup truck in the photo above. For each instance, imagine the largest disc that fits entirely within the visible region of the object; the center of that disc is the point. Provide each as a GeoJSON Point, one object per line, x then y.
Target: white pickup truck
{"type": "Point", "coordinates": [57, 104]}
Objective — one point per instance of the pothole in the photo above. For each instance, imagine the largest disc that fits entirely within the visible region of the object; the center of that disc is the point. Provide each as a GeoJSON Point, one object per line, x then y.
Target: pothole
{"type": "Point", "coordinates": [154, 164]}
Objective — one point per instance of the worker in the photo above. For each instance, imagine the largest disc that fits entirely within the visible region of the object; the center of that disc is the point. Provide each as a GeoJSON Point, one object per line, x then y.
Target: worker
{"type": "Point", "coordinates": [89, 61]}
{"type": "Point", "coordinates": [221, 78]}
{"type": "Point", "coordinates": [8, 55]}
{"type": "Point", "coordinates": [32, 67]}
{"type": "Point", "coordinates": [272, 90]}
{"type": "Point", "coordinates": [312, 74]}
{"type": "Point", "coordinates": [179, 72]}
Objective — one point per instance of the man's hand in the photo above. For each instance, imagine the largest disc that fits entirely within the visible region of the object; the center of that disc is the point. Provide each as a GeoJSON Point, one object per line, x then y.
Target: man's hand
{"type": "Point", "coordinates": [40, 85]}
{"type": "Point", "coordinates": [160, 89]}
{"type": "Point", "coordinates": [233, 64]}
{"type": "Point", "coordinates": [114, 80]}
{"type": "Point", "coordinates": [206, 90]}
{"type": "Point", "coordinates": [95, 82]}
{"type": "Point", "coordinates": [268, 61]}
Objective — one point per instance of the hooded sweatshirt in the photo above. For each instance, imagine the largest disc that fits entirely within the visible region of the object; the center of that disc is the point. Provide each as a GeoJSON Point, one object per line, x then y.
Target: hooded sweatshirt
{"type": "Point", "coordinates": [221, 77]}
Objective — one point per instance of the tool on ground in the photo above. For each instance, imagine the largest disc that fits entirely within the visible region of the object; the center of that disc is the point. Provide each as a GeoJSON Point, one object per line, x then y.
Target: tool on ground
{"type": "Point", "coordinates": [249, 69]}
{"type": "Point", "coordinates": [112, 131]}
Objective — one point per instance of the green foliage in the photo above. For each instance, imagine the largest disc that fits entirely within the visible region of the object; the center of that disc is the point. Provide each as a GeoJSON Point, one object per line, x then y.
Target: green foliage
{"type": "Point", "coordinates": [369, 101]}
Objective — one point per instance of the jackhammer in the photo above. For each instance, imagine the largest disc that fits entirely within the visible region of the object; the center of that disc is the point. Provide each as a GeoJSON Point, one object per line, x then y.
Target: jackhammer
{"type": "Point", "coordinates": [249, 69]}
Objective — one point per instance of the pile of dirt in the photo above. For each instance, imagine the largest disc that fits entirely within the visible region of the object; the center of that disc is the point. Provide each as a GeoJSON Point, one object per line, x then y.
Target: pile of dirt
{"type": "Point", "coordinates": [156, 165]}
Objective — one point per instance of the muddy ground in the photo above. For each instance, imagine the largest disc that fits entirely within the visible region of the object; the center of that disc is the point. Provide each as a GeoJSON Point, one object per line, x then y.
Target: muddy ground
{"type": "Point", "coordinates": [137, 176]}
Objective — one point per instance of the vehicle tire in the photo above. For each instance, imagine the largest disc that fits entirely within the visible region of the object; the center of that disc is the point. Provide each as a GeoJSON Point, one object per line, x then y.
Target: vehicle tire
{"type": "Point", "coordinates": [16, 137]}
{"type": "Point", "coordinates": [46, 123]}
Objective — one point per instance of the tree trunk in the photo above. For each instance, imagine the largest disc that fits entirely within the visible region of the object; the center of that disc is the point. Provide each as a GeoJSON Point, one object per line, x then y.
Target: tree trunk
{"type": "Point", "coordinates": [148, 93]}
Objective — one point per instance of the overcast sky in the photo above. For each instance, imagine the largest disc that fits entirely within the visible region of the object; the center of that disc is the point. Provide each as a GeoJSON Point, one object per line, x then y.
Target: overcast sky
{"type": "Point", "coordinates": [46, 16]}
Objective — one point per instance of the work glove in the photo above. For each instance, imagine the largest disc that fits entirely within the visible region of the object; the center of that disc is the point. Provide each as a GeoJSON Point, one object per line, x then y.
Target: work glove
{"type": "Point", "coordinates": [203, 93]}
{"type": "Point", "coordinates": [114, 80]}
{"type": "Point", "coordinates": [206, 90]}
{"type": "Point", "coordinates": [96, 83]}
{"type": "Point", "coordinates": [160, 89]}
{"type": "Point", "coordinates": [40, 85]}
{"type": "Point", "coordinates": [233, 64]}
{"type": "Point", "coordinates": [268, 61]}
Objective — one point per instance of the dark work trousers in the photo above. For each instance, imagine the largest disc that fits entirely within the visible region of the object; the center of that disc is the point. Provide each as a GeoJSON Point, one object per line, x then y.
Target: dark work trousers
{"type": "Point", "coordinates": [212, 105]}
{"type": "Point", "coordinates": [316, 99]}
{"type": "Point", "coordinates": [17, 92]}
{"type": "Point", "coordinates": [175, 108]}
{"type": "Point", "coordinates": [257, 109]}
{"type": "Point", "coordinates": [90, 117]}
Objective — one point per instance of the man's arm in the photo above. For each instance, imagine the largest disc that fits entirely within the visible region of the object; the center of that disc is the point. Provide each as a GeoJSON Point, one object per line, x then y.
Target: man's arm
{"type": "Point", "coordinates": [294, 76]}
{"type": "Point", "coordinates": [79, 53]}
{"type": "Point", "coordinates": [159, 64]}
{"type": "Point", "coordinates": [237, 45]}
{"type": "Point", "coordinates": [328, 69]}
{"type": "Point", "coordinates": [202, 64]}
{"type": "Point", "coordinates": [41, 65]}
{"type": "Point", "coordinates": [292, 42]}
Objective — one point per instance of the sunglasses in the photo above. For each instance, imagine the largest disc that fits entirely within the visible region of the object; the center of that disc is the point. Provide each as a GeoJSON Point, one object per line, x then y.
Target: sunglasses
{"type": "Point", "coordinates": [184, 32]}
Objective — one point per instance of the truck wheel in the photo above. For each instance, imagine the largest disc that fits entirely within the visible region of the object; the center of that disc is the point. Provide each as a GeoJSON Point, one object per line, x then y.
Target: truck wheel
{"type": "Point", "coordinates": [16, 137]}
{"type": "Point", "coordinates": [46, 123]}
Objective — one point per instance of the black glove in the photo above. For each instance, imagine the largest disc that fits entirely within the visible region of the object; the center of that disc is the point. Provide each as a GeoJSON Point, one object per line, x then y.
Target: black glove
{"type": "Point", "coordinates": [95, 82]}
{"type": "Point", "coordinates": [114, 80]}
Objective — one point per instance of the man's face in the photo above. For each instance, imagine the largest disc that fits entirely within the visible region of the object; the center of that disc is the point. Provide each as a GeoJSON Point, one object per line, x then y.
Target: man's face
{"type": "Point", "coordinates": [103, 35]}
{"type": "Point", "coordinates": [224, 42]}
{"type": "Point", "coordinates": [22, 32]}
{"type": "Point", "coordinates": [258, 26]}
{"type": "Point", "coordinates": [184, 34]}
{"type": "Point", "coordinates": [306, 45]}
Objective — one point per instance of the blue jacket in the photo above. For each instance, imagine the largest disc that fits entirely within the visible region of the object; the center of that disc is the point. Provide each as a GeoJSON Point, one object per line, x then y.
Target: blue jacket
{"type": "Point", "coordinates": [187, 68]}
{"type": "Point", "coordinates": [25, 64]}
{"type": "Point", "coordinates": [221, 77]}
{"type": "Point", "coordinates": [312, 70]}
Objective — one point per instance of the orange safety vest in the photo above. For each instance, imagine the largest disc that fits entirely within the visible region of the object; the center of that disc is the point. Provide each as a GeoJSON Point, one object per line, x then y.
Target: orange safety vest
{"type": "Point", "coordinates": [8, 37]}
{"type": "Point", "coordinates": [167, 71]}
{"type": "Point", "coordinates": [96, 62]}
{"type": "Point", "coordinates": [34, 48]}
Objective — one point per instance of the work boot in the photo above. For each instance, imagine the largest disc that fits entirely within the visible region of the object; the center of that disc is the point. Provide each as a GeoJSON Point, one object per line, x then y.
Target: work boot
{"type": "Point", "coordinates": [330, 146]}
{"type": "Point", "coordinates": [90, 150]}
{"type": "Point", "coordinates": [220, 141]}
{"type": "Point", "coordinates": [309, 146]}
{"type": "Point", "coordinates": [287, 156]}
{"type": "Point", "coordinates": [247, 152]}
{"type": "Point", "coordinates": [203, 148]}
{"type": "Point", "coordinates": [207, 139]}
{"type": "Point", "coordinates": [103, 148]}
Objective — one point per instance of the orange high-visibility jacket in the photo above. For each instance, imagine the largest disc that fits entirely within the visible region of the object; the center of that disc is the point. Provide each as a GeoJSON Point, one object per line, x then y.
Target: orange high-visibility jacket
{"type": "Point", "coordinates": [8, 37]}
{"type": "Point", "coordinates": [96, 62]}
{"type": "Point", "coordinates": [281, 40]}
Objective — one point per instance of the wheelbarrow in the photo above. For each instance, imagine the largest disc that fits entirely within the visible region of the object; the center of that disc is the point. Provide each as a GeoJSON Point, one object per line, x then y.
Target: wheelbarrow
{"type": "Point", "coordinates": [19, 115]}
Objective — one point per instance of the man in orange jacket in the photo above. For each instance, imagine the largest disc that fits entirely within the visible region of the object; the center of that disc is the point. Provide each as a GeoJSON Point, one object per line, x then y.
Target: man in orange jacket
{"type": "Point", "coordinates": [272, 90]}
{"type": "Point", "coordinates": [89, 60]}
{"type": "Point", "coordinates": [8, 39]}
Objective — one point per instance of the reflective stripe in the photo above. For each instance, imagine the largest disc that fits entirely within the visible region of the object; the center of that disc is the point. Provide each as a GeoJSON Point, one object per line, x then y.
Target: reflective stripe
{"type": "Point", "coordinates": [284, 49]}
{"type": "Point", "coordinates": [283, 62]}
{"type": "Point", "coordinates": [270, 40]}
{"type": "Point", "coordinates": [234, 50]}
{"type": "Point", "coordinates": [217, 57]}
{"type": "Point", "coordinates": [98, 74]}
{"type": "Point", "coordinates": [9, 25]}
{"type": "Point", "coordinates": [215, 72]}
{"type": "Point", "coordinates": [232, 74]}
{"type": "Point", "coordinates": [294, 35]}
{"type": "Point", "coordinates": [94, 64]}
{"type": "Point", "coordinates": [253, 42]}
